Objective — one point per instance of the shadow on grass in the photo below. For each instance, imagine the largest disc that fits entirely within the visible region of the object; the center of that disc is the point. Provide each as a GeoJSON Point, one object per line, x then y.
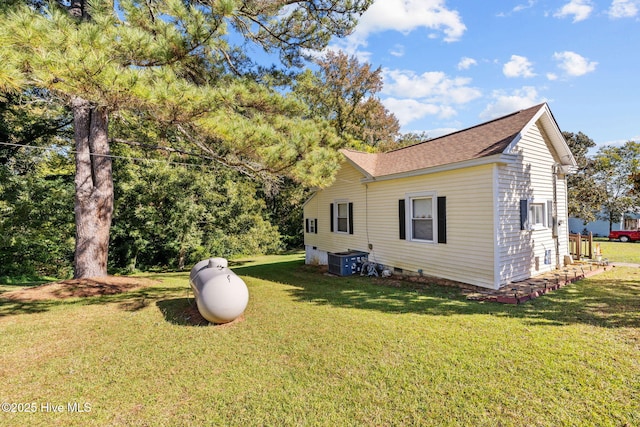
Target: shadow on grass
{"type": "Point", "coordinates": [599, 300]}
{"type": "Point", "coordinates": [604, 300]}
{"type": "Point", "coordinates": [595, 301]}
{"type": "Point", "coordinates": [128, 301]}
{"type": "Point", "coordinates": [181, 311]}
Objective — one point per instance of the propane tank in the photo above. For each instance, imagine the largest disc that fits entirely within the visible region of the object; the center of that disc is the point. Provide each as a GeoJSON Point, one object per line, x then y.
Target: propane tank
{"type": "Point", "coordinates": [221, 296]}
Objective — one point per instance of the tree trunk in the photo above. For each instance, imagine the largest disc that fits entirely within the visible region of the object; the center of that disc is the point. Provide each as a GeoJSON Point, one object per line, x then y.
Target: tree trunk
{"type": "Point", "coordinates": [94, 189]}
{"type": "Point", "coordinates": [610, 222]}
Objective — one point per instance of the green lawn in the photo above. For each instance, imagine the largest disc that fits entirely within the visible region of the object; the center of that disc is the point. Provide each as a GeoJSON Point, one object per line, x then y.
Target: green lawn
{"type": "Point", "coordinates": [620, 252]}
{"type": "Point", "coordinates": [320, 350]}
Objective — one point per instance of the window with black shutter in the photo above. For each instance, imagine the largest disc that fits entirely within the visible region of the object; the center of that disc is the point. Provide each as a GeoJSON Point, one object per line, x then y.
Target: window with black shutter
{"type": "Point", "coordinates": [423, 216]}
{"type": "Point", "coordinates": [342, 217]}
{"type": "Point", "coordinates": [402, 220]}
{"type": "Point", "coordinates": [442, 219]}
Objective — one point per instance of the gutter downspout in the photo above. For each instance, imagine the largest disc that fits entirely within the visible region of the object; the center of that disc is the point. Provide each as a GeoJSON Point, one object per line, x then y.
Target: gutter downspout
{"type": "Point", "coordinates": [554, 215]}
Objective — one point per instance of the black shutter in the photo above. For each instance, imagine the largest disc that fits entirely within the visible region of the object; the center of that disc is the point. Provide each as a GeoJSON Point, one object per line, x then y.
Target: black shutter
{"type": "Point", "coordinates": [306, 225]}
{"type": "Point", "coordinates": [442, 220]}
{"type": "Point", "coordinates": [524, 212]}
{"type": "Point", "coordinates": [315, 225]}
{"type": "Point", "coordinates": [402, 220]}
{"type": "Point", "coordinates": [350, 218]}
{"type": "Point", "coordinates": [331, 216]}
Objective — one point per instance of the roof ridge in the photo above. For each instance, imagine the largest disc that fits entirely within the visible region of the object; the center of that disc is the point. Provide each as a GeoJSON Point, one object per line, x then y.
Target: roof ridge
{"type": "Point", "coordinates": [469, 128]}
{"type": "Point", "coordinates": [483, 140]}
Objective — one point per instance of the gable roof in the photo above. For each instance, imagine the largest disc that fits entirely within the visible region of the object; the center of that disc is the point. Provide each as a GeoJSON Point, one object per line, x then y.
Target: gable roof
{"type": "Point", "coordinates": [468, 146]}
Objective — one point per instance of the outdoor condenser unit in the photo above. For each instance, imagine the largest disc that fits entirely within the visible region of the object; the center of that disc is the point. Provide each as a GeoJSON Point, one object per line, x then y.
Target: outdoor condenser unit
{"type": "Point", "coordinates": [347, 263]}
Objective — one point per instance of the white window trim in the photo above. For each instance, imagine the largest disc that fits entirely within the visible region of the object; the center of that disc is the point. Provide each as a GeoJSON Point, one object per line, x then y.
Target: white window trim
{"type": "Point", "coordinates": [544, 225]}
{"type": "Point", "coordinates": [335, 215]}
{"type": "Point", "coordinates": [409, 215]}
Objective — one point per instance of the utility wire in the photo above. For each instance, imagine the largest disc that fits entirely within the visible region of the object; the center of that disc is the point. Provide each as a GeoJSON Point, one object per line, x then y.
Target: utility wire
{"type": "Point", "coordinates": [10, 144]}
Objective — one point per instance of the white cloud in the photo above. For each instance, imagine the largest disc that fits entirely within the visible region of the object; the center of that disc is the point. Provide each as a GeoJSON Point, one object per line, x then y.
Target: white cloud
{"type": "Point", "coordinates": [580, 9]}
{"type": "Point", "coordinates": [623, 9]}
{"type": "Point", "coordinates": [552, 76]}
{"type": "Point", "coordinates": [518, 8]}
{"type": "Point", "coordinates": [465, 63]}
{"type": "Point", "coordinates": [574, 64]}
{"type": "Point", "coordinates": [521, 7]}
{"type": "Point", "coordinates": [411, 96]}
{"type": "Point", "coordinates": [408, 110]}
{"type": "Point", "coordinates": [518, 66]}
{"type": "Point", "coordinates": [506, 103]}
{"type": "Point", "coordinates": [398, 50]}
{"type": "Point", "coordinates": [434, 133]}
{"type": "Point", "coordinates": [405, 16]}
{"type": "Point", "coordinates": [434, 86]}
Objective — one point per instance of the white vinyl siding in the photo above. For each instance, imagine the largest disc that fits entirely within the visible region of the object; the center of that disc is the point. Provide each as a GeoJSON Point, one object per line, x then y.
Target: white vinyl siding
{"type": "Point", "coordinates": [347, 188]}
{"type": "Point", "coordinates": [522, 253]}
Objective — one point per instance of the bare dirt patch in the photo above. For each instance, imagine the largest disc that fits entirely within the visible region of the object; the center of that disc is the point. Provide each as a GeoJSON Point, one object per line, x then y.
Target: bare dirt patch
{"type": "Point", "coordinates": [79, 288]}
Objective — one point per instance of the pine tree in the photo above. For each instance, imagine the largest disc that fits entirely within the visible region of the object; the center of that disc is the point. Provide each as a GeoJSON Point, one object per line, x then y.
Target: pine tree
{"type": "Point", "coordinates": [116, 65]}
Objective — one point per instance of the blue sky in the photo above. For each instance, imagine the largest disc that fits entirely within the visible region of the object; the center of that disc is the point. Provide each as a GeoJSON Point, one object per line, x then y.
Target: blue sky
{"type": "Point", "coordinates": [448, 65]}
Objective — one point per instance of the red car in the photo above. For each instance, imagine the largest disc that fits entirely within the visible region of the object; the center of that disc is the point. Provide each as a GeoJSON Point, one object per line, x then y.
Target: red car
{"type": "Point", "coordinates": [625, 235]}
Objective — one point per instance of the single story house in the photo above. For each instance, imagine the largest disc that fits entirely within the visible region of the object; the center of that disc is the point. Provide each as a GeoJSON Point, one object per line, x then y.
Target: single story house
{"type": "Point", "coordinates": [485, 206]}
{"type": "Point", "coordinates": [600, 228]}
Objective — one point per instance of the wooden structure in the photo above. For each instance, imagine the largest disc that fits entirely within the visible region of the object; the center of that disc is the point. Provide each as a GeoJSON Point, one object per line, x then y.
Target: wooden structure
{"type": "Point", "coordinates": [581, 246]}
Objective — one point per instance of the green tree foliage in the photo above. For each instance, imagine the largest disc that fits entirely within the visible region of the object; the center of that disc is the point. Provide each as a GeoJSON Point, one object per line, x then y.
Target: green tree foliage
{"type": "Point", "coordinates": [36, 187]}
{"type": "Point", "coordinates": [586, 195]}
{"type": "Point", "coordinates": [343, 91]}
{"type": "Point", "coordinates": [171, 63]}
{"type": "Point", "coordinates": [167, 214]}
{"type": "Point", "coordinates": [409, 138]}
{"type": "Point", "coordinates": [616, 168]}
{"type": "Point", "coordinates": [29, 119]}
{"type": "Point", "coordinates": [173, 215]}
{"type": "Point", "coordinates": [36, 217]}
{"type": "Point", "coordinates": [284, 202]}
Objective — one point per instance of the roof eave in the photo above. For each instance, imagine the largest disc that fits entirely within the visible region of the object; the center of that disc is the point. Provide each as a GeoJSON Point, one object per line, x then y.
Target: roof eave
{"type": "Point", "coordinates": [552, 129]}
{"type": "Point", "coordinates": [359, 168]}
{"type": "Point", "coordinates": [501, 158]}
{"type": "Point", "coordinates": [313, 194]}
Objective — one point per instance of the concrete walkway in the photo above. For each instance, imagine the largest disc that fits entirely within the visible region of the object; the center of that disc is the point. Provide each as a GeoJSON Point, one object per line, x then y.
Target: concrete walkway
{"type": "Point", "coordinates": [625, 264]}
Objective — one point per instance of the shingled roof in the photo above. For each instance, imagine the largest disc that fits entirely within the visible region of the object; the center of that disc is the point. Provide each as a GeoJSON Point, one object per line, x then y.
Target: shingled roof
{"type": "Point", "coordinates": [483, 140]}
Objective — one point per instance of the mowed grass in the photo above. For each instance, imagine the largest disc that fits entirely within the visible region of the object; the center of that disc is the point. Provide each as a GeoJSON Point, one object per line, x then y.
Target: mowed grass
{"type": "Point", "coordinates": [328, 351]}
{"type": "Point", "coordinates": [620, 252]}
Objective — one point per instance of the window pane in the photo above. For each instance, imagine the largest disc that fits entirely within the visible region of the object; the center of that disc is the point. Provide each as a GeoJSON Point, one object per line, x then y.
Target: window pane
{"type": "Point", "coordinates": [536, 212]}
{"type": "Point", "coordinates": [343, 217]}
{"type": "Point", "coordinates": [342, 210]}
{"type": "Point", "coordinates": [422, 208]}
{"type": "Point", "coordinates": [423, 229]}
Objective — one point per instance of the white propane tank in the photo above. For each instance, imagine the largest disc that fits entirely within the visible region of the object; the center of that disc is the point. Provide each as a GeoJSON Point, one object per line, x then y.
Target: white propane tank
{"type": "Point", "coordinates": [220, 294]}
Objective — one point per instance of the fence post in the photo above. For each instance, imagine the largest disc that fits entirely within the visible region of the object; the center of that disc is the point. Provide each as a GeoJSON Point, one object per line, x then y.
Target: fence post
{"type": "Point", "coordinates": [579, 247]}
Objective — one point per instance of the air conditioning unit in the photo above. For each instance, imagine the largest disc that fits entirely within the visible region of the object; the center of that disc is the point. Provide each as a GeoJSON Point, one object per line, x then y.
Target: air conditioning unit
{"type": "Point", "coordinates": [346, 263]}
